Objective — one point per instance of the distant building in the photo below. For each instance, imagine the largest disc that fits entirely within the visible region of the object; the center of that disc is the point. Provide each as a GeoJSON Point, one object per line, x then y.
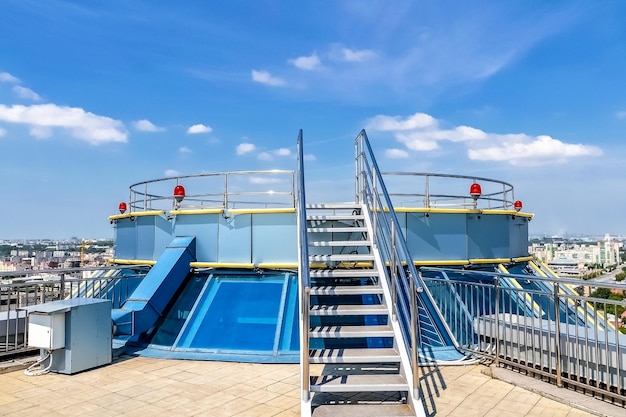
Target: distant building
{"type": "Point", "coordinates": [567, 258]}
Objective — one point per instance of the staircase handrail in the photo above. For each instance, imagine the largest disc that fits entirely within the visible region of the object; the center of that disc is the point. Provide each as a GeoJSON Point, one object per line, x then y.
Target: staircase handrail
{"type": "Point", "coordinates": [304, 279]}
{"type": "Point", "coordinates": [391, 237]}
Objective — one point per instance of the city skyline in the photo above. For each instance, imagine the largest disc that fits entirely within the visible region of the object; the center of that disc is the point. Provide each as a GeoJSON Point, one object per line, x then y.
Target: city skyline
{"type": "Point", "coordinates": [95, 97]}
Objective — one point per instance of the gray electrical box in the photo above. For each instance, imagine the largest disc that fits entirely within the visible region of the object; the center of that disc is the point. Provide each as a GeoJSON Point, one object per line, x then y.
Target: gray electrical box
{"type": "Point", "coordinates": [77, 331]}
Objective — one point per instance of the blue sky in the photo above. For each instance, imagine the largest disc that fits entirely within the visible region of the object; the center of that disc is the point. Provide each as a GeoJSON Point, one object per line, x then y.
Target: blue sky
{"type": "Point", "coordinates": [95, 96]}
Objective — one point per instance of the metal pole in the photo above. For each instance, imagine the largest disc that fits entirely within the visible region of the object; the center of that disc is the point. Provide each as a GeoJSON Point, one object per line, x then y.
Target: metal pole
{"type": "Point", "coordinates": [497, 320]}
{"type": "Point", "coordinates": [414, 347]}
{"type": "Point", "coordinates": [557, 339]}
{"type": "Point", "coordinates": [62, 287]}
{"type": "Point", "coordinates": [394, 273]}
{"type": "Point", "coordinates": [374, 205]}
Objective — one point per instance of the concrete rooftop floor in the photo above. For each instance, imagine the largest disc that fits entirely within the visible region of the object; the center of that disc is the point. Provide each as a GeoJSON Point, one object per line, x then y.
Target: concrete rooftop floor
{"type": "Point", "coordinates": [139, 386]}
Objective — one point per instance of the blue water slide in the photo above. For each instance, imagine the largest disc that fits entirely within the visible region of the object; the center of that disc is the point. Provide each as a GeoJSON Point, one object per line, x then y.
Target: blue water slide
{"type": "Point", "coordinates": [152, 296]}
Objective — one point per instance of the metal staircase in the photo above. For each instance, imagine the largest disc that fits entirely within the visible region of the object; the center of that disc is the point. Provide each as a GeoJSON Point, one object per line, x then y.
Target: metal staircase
{"type": "Point", "coordinates": [356, 355]}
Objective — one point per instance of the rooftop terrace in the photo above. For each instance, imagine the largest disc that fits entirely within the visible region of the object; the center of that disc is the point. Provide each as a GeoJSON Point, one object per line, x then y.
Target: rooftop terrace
{"type": "Point", "coordinates": [140, 386]}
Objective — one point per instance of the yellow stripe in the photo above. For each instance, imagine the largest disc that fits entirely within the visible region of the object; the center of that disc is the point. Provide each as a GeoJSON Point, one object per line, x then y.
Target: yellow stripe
{"type": "Point", "coordinates": [440, 262]}
{"type": "Point", "coordinates": [221, 265]}
{"type": "Point", "coordinates": [536, 307]}
{"type": "Point", "coordinates": [262, 211]}
{"type": "Point", "coordinates": [523, 259]}
{"type": "Point", "coordinates": [197, 211]}
{"type": "Point", "coordinates": [580, 309]}
{"type": "Point", "coordinates": [132, 262]}
{"type": "Point", "coordinates": [277, 265]}
{"type": "Point", "coordinates": [489, 261]}
{"type": "Point", "coordinates": [460, 211]}
{"type": "Point", "coordinates": [137, 214]}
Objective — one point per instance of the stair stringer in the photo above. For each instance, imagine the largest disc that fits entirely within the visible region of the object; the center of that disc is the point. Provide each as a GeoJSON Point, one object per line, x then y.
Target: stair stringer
{"type": "Point", "coordinates": [413, 397]}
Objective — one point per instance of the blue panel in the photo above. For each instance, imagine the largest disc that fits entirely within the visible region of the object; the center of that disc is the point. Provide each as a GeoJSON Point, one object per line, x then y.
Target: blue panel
{"type": "Point", "coordinates": [145, 237]}
{"type": "Point", "coordinates": [125, 239]}
{"type": "Point", "coordinates": [518, 232]}
{"type": "Point", "coordinates": [156, 290]}
{"type": "Point", "coordinates": [440, 236]}
{"type": "Point", "coordinates": [205, 228]}
{"type": "Point", "coordinates": [236, 314]}
{"type": "Point", "coordinates": [488, 236]}
{"type": "Point", "coordinates": [274, 238]}
{"type": "Point", "coordinates": [235, 239]}
{"type": "Point", "coordinates": [162, 235]}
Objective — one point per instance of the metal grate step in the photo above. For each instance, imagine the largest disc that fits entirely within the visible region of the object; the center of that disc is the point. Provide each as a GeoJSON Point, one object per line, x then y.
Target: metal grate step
{"type": "Point", "coordinates": [343, 229]}
{"type": "Point", "coordinates": [348, 310]}
{"type": "Point", "coordinates": [363, 410]}
{"type": "Point", "coordinates": [357, 383]}
{"type": "Point", "coordinates": [348, 257]}
{"type": "Point", "coordinates": [334, 243]}
{"type": "Point", "coordinates": [343, 273]}
{"type": "Point", "coordinates": [347, 290]}
{"type": "Point", "coordinates": [351, 331]}
{"type": "Point", "coordinates": [355, 355]}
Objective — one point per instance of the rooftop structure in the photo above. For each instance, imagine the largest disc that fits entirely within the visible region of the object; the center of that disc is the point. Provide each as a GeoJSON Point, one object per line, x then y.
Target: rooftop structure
{"type": "Point", "coordinates": [421, 270]}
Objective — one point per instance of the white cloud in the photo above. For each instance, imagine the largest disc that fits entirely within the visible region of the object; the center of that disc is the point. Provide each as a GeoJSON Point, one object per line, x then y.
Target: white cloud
{"type": "Point", "coordinates": [282, 152]}
{"type": "Point", "coordinates": [394, 123]}
{"type": "Point", "coordinates": [5, 77]}
{"type": "Point", "coordinates": [2, 132]}
{"type": "Point", "coordinates": [532, 151]}
{"type": "Point", "coordinates": [184, 149]}
{"type": "Point", "coordinates": [342, 53]}
{"type": "Point", "coordinates": [395, 153]}
{"type": "Point", "coordinates": [77, 122]}
{"type": "Point", "coordinates": [422, 132]}
{"type": "Point", "coordinates": [244, 148]}
{"type": "Point", "coordinates": [147, 126]}
{"type": "Point", "coordinates": [26, 93]}
{"type": "Point", "coordinates": [309, 157]}
{"type": "Point", "coordinates": [308, 63]}
{"type": "Point", "coordinates": [199, 128]}
{"type": "Point", "coordinates": [265, 77]}
{"type": "Point", "coordinates": [265, 156]}
{"type": "Point", "coordinates": [171, 173]}
{"type": "Point", "coordinates": [621, 115]}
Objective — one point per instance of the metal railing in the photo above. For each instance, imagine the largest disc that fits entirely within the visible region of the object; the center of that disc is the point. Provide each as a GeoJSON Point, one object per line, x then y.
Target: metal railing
{"type": "Point", "coordinates": [20, 289]}
{"type": "Point", "coordinates": [447, 191]}
{"type": "Point", "coordinates": [557, 328]}
{"type": "Point", "coordinates": [402, 277]}
{"type": "Point", "coordinates": [223, 190]}
{"type": "Point", "coordinates": [304, 279]}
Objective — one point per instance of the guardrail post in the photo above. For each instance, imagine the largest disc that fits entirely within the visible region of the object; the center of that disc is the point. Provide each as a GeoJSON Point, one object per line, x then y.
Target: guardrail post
{"type": "Point", "coordinates": [62, 287]}
{"type": "Point", "coordinates": [557, 336]}
{"type": "Point", "coordinates": [414, 347]}
{"type": "Point", "coordinates": [394, 273]}
{"type": "Point", "coordinates": [497, 320]}
{"type": "Point", "coordinates": [375, 206]}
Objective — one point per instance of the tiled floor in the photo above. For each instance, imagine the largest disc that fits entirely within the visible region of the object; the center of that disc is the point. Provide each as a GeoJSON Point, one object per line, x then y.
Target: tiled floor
{"type": "Point", "coordinates": [155, 387]}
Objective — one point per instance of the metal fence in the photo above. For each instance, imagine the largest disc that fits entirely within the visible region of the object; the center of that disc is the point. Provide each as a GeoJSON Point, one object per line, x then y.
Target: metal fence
{"type": "Point", "coordinates": [560, 329]}
{"type": "Point", "coordinates": [26, 288]}
{"type": "Point", "coordinates": [222, 190]}
{"type": "Point", "coordinates": [431, 190]}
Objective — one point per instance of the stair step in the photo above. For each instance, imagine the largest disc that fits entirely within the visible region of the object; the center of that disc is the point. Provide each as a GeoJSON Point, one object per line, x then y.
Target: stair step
{"type": "Point", "coordinates": [351, 331]}
{"type": "Point", "coordinates": [345, 229]}
{"type": "Point", "coordinates": [363, 410]}
{"type": "Point", "coordinates": [347, 257]}
{"type": "Point", "coordinates": [335, 243]}
{"type": "Point", "coordinates": [347, 290]}
{"type": "Point", "coordinates": [333, 217]}
{"type": "Point", "coordinates": [333, 206]}
{"type": "Point", "coordinates": [348, 310]}
{"type": "Point", "coordinates": [373, 355]}
{"type": "Point", "coordinates": [343, 273]}
{"type": "Point", "coordinates": [356, 383]}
